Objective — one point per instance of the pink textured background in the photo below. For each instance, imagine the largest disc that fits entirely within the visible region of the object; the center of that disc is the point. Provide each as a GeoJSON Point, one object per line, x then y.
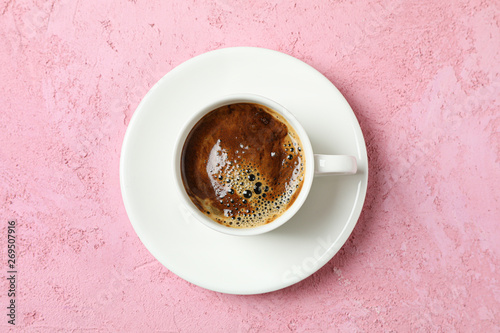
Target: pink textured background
{"type": "Point", "coordinates": [423, 78]}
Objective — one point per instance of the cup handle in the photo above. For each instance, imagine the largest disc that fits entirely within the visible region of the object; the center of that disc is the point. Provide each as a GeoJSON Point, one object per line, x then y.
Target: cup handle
{"type": "Point", "coordinates": [326, 165]}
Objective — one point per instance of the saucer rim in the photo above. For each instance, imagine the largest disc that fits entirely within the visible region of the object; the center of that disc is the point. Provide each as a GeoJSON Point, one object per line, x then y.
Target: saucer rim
{"type": "Point", "coordinates": [334, 247]}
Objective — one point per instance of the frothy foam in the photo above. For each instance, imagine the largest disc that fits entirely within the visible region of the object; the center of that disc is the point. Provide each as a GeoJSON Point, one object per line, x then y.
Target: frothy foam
{"type": "Point", "coordinates": [245, 183]}
{"type": "Point", "coordinates": [248, 197]}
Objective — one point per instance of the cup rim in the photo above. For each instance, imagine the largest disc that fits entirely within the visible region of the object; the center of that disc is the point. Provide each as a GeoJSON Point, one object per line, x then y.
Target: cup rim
{"type": "Point", "coordinates": [306, 147]}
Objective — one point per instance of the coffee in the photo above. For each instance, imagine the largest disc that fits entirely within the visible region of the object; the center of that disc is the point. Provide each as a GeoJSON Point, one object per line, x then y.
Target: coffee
{"type": "Point", "coordinates": [242, 165]}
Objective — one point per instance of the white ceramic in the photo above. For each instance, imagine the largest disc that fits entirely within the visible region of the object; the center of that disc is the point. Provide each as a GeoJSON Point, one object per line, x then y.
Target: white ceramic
{"type": "Point", "coordinates": [205, 257]}
{"type": "Point", "coordinates": [314, 164]}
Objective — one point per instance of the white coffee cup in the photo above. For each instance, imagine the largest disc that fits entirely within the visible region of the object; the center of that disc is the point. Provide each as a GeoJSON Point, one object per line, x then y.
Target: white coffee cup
{"type": "Point", "coordinates": [315, 164]}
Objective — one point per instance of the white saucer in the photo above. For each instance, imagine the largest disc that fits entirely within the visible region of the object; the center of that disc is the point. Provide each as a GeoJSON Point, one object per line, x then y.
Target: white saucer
{"type": "Point", "coordinates": [231, 264]}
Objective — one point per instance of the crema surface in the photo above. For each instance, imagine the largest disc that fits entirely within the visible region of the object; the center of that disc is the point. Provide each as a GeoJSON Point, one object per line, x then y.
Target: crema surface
{"type": "Point", "coordinates": [242, 165]}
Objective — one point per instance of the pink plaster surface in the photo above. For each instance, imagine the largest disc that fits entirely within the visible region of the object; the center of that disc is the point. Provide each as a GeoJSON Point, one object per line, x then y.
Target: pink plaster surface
{"type": "Point", "coordinates": [423, 78]}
